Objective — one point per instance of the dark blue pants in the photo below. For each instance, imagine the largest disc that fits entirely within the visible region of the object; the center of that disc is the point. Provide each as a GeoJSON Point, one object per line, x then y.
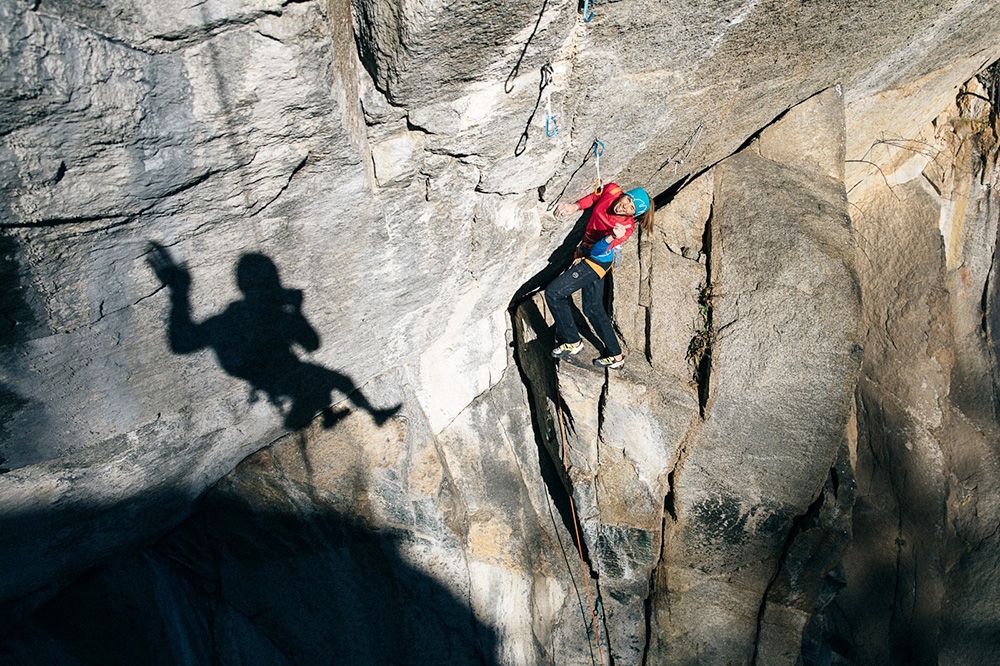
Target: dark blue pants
{"type": "Point", "coordinates": [581, 276]}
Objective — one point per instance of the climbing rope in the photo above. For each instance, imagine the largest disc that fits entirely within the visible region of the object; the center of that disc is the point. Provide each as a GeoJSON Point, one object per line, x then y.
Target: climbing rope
{"type": "Point", "coordinates": [588, 13]}
{"type": "Point", "coordinates": [591, 152]}
{"type": "Point", "coordinates": [691, 142]}
{"type": "Point", "coordinates": [508, 85]}
{"type": "Point", "coordinates": [579, 543]}
{"type": "Point", "coordinates": [598, 151]}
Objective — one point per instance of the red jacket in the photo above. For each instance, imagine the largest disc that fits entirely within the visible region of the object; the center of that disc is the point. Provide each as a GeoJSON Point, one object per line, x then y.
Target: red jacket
{"type": "Point", "coordinates": [602, 221]}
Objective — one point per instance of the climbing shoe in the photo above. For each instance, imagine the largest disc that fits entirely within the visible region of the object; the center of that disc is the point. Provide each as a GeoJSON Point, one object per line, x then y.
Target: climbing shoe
{"type": "Point", "coordinates": [612, 362]}
{"type": "Point", "coordinates": [568, 349]}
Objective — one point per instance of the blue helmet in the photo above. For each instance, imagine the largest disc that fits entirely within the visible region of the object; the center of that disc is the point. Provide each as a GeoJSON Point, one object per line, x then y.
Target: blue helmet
{"type": "Point", "coordinates": [641, 200]}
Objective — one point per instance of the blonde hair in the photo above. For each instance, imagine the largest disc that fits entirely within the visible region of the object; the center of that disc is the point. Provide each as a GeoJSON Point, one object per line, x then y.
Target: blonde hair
{"type": "Point", "coordinates": [645, 220]}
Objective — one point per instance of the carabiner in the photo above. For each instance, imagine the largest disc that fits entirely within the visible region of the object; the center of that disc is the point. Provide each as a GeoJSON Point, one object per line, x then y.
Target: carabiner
{"type": "Point", "coordinates": [553, 129]}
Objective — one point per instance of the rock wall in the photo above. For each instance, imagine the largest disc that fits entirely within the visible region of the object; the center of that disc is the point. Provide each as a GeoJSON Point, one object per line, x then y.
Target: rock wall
{"type": "Point", "coordinates": [315, 230]}
{"type": "Point", "coordinates": [916, 571]}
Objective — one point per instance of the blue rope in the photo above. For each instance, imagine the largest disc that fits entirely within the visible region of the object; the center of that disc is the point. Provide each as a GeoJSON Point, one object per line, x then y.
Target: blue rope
{"type": "Point", "coordinates": [588, 13]}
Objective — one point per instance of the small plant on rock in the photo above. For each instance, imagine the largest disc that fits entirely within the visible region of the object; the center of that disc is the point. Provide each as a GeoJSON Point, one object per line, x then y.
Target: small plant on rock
{"type": "Point", "coordinates": [700, 347]}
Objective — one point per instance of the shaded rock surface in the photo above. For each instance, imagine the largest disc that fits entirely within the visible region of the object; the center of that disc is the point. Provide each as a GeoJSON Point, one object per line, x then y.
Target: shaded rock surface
{"type": "Point", "coordinates": [382, 169]}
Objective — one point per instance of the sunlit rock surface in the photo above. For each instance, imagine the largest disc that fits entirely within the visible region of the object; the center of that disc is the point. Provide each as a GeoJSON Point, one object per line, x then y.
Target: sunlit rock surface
{"type": "Point", "coordinates": [312, 233]}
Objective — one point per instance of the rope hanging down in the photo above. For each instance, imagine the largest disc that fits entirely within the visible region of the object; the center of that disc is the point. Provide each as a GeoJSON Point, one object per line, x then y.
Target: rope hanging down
{"type": "Point", "coordinates": [508, 85]}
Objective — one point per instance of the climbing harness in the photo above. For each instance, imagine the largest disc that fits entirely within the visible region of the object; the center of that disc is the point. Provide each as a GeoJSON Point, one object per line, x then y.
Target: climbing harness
{"type": "Point", "coordinates": [551, 128]}
{"type": "Point", "coordinates": [691, 142]}
{"type": "Point", "coordinates": [594, 606]}
{"type": "Point", "coordinates": [543, 83]}
{"type": "Point", "coordinates": [588, 13]}
{"type": "Point", "coordinates": [598, 151]}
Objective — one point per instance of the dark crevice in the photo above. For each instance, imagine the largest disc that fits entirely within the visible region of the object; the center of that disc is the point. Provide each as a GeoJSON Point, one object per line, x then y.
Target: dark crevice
{"type": "Point", "coordinates": [648, 350]}
{"type": "Point", "coordinates": [298, 167]}
{"type": "Point", "coordinates": [602, 403]}
{"type": "Point", "coordinates": [538, 375]}
{"type": "Point", "coordinates": [800, 524]}
{"type": "Point", "coordinates": [63, 221]}
{"type": "Point", "coordinates": [647, 607]}
{"type": "Point", "coordinates": [702, 345]}
{"type": "Point", "coordinates": [647, 604]}
{"type": "Point", "coordinates": [545, 431]}
{"type": "Point", "coordinates": [668, 501]}
{"type": "Point", "coordinates": [187, 185]}
{"type": "Point", "coordinates": [413, 127]}
{"type": "Point", "coordinates": [557, 262]}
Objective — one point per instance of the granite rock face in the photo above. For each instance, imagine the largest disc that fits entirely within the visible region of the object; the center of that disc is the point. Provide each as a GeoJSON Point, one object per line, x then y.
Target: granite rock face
{"type": "Point", "coordinates": [284, 257]}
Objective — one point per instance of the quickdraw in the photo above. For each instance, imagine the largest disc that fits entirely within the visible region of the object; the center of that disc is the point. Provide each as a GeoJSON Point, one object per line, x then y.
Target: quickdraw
{"type": "Point", "coordinates": [598, 151]}
{"type": "Point", "coordinates": [543, 83]}
{"type": "Point", "coordinates": [551, 127]}
{"type": "Point", "coordinates": [588, 13]}
{"type": "Point", "coordinates": [595, 151]}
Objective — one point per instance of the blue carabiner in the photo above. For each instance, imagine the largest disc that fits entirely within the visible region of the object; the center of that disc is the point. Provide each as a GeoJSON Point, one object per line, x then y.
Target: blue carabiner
{"type": "Point", "coordinates": [554, 128]}
{"type": "Point", "coordinates": [588, 14]}
{"type": "Point", "coordinates": [596, 144]}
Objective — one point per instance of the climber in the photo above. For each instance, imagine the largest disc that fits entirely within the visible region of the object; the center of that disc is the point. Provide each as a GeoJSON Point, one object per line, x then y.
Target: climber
{"type": "Point", "coordinates": [612, 221]}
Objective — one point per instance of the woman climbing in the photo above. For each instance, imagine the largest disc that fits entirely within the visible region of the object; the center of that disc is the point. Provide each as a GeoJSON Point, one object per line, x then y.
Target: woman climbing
{"type": "Point", "coordinates": [611, 223]}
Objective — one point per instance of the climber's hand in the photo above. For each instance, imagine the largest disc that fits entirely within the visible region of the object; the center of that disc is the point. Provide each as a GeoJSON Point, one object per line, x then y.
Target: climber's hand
{"type": "Point", "coordinates": [171, 274]}
{"type": "Point", "coordinates": [564, 209]}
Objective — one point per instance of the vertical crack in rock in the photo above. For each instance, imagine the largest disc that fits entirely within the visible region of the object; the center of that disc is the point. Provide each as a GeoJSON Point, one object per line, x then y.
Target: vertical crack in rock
{"type": "Point", "coordinates": [700, 349]}
{"type": "Point", "coordinates": [800, 524]}
{"type": "Point", "coordinates": [540, 385]}
{"type": "Point", "coordinates": [532, 340]}
{"type": "Point", "coordinates": [647, 604]}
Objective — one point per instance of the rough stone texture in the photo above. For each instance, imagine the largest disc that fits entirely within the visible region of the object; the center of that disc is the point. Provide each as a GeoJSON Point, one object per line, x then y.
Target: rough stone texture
{"type": "Point", "coordinates": [383, 165]}
{"type": "Point", "coordinates": [786, 307]}
{"type": "Point", "coordinates": [920, 572]}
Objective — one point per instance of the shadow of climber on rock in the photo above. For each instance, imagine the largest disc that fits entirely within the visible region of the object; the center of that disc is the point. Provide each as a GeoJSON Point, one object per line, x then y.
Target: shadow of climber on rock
{"type": "Point", "coordinates": [253, 339]}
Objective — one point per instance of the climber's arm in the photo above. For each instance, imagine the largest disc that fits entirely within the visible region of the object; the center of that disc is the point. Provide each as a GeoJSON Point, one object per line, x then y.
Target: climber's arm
{"type": "Point", "coordinates": [184, 335]}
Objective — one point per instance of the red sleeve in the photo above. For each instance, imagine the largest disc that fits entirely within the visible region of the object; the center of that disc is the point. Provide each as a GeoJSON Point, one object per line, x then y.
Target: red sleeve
{"type": "Point", "coordinates": [588, 201]}
{"type": "Point", "coordinates": [629, 228]}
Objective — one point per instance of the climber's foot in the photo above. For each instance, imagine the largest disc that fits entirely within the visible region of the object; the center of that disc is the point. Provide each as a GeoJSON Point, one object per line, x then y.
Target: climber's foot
{"type": "Point", "coordinates": [568, 349]}
{"type": "Point", "coordinates": [612, 362]}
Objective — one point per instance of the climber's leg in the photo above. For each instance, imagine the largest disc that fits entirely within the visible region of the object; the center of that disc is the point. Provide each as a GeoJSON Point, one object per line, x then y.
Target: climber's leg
{"type": "Point", "coordinates": [557, 296]}
{"type": "Point", "coordinates": [593, 308]}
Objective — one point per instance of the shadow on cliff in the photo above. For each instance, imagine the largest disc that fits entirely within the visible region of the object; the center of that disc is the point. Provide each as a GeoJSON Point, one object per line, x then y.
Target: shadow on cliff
{"type": "Point", "coordinates": [242, 583]}
{"type": "Point", "coordinates": [255, 339]}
